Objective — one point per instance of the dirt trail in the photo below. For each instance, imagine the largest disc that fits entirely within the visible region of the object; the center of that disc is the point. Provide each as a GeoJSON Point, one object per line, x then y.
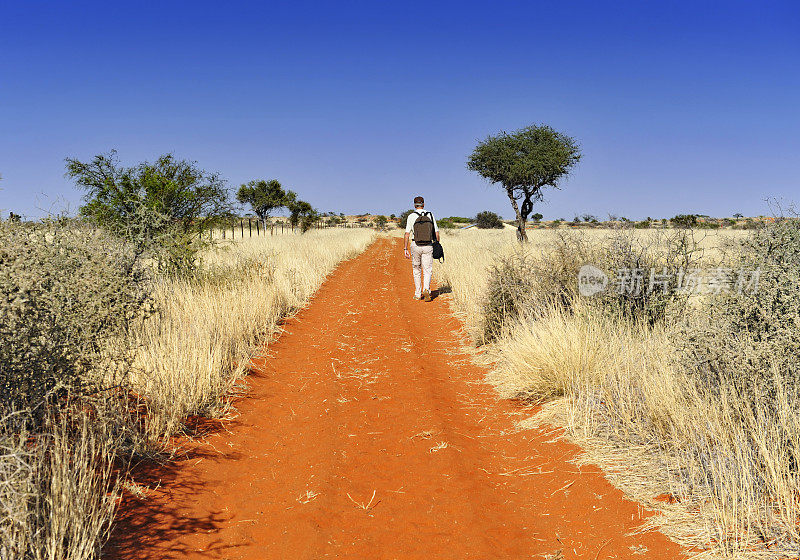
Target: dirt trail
{"type": "Point", "coordinates": [367, 432]}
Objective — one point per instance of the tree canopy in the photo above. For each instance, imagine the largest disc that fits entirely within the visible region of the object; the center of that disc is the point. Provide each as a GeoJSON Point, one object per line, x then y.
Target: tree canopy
{"type": "Point", "coordinates": [162, 206]}
{"type": "Point", "coordinates": [523, 163]}
{"type": "Point", "coordinates": [300, 212]}
{"type": "Point", "coordinates": [264, 197]}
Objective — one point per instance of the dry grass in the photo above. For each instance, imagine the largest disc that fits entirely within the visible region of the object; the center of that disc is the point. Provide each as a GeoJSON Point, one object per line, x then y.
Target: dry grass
{"type": "Point", "coordinates": [199, 345]}
{"type": "Point", "coordinates": [624, 391]}
{"type": "Point", "coordinates": [57, 491]}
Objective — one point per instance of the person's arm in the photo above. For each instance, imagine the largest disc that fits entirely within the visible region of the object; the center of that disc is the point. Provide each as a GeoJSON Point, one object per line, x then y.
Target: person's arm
{"type": "Point", "coordinates": [436, 228]}
{"type": "Point", "coordinates": [407, 240]}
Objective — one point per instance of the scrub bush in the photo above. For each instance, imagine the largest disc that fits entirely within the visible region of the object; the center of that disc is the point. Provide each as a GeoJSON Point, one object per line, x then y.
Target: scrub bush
{"type": "Point", "coordinates": [67, 291]}
{"type": "Point", "coordinates": [489, 220]}
{"type": "Point", "coordinates": [745, 336]}
{"type": "Point", "coordinates": [527, 284]}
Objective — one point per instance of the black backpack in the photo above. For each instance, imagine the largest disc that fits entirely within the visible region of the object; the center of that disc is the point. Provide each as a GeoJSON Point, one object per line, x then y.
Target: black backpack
{"type": "Point", "coordinates": [438, 252]}
{"type": "Point", "coordinates": [424, 229]}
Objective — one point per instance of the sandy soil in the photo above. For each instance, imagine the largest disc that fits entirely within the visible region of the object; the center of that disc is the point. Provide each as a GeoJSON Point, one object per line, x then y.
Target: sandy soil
{"type": "Point", "coordinates": [367, 432]}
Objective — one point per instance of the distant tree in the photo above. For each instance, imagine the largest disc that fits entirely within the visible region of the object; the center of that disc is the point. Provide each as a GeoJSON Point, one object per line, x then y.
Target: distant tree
{"type": "Point", "coordinates": [684, 221]}
{"type": "Point", "coordinates": [264, 197]}
{"type": "Point", "coordinates": [163, 207]}
{"type": "Point", "coordinates": [14, 218]}
{"type": "Point", "coordinates": [381, 222]}
{"type": "Point", "coordinates": [301, 213]}
{"type": "Point", "coordinates": [523, 163]}
{"type": "Point", "coordinates": [392, 217]}
{"type": "Point", "coordinates": [404, 218]}
{"type": "Point", "coordinates": [738, 215]}
{"type": "Point", "coordinates": [537, 217]}
{"type": "Point", "coordinates": [488, 220]}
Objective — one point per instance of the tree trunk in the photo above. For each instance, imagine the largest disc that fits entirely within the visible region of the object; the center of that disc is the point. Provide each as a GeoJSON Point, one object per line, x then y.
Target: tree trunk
{"type": "Point", "coordinates": [522, 234]}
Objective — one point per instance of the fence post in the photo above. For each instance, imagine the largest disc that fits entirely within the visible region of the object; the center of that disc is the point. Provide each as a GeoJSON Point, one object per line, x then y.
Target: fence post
{"type": "Point", "coordinates": [250, 225]}
{"type": "Point", "coordinates": [258, 228]}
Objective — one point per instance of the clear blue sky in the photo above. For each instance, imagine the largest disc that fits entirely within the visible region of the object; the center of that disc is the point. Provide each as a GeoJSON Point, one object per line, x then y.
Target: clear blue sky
{"type": "Point", "coordinates": [358, 106]}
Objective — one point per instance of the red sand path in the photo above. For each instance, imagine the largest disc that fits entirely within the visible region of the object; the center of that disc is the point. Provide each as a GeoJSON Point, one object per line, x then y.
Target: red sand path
{"type": "Point", "coordinates": [367, 432]}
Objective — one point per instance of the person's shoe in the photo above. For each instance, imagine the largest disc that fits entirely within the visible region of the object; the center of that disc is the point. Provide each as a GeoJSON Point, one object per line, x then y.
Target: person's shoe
{"type": "Point", "coordinates": [426, 295]}
{"type": "Point", "coordinates": [417, 296]}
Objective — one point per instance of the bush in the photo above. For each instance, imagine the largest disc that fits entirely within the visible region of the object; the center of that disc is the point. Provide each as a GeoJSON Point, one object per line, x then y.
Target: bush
{"type": "Point", "coordinates": [748, 336]}
{"type": "Point", "coordinates": [160, 208]}
{"type": "Point", "coordinates": [489, 220]}
{"type": "Point", "coordinates": [524, 286]}
{"type": "Point", "coordinates": [684, 221]}
{"type": "Point", "coordinates": [66, 291]}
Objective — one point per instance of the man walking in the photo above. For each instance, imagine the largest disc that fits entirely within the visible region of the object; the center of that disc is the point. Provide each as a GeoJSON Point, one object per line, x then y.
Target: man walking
{"type": "Point", "coordinates": [422, 226]}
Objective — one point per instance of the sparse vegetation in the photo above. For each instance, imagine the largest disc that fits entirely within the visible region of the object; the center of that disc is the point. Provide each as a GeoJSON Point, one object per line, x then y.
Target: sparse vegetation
{"type": "Point", "coordinates": [702, 400]}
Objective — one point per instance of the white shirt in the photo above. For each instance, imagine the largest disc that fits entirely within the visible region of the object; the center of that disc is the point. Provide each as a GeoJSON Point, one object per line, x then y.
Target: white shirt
{"type": "Point", "coordinates": [413, 218]}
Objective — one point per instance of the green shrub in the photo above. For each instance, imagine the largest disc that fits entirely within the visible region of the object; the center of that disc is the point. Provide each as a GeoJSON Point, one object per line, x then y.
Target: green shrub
{"type": "Point", "coordinates": [67, 291]}
{"type": "Point", "coordinates": [160, 208]}
{"type": "Point", "coordinates": [684, 221]}
{"type": "Point", "coordinates": [489, 220]}
{"type": "Point", "coordinates": [404, 218]}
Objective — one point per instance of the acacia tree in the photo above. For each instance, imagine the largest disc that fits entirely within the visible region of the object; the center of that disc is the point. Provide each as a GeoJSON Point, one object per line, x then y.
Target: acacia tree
{"type": "Point", "coordinates": [523, 163]}
{"type": "Point", "coordinates": [161, 207]}
{"type": "Point", "coordinates": [263, 196]}
{"type": "Point", "coordinates": [300, 212]}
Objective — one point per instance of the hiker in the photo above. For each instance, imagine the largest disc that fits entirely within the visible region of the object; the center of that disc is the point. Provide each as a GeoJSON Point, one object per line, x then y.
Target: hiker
{"type": "Point", "coordinates": [423, 226]}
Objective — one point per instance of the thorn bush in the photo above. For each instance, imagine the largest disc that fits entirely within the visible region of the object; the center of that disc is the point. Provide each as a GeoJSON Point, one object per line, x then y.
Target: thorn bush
{"type": "Point", "coordinates": [68, 295]}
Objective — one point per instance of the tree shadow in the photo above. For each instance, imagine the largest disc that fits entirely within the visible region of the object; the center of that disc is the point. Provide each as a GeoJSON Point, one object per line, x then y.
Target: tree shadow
{"type": "Point", "coordinates": [149, 527]}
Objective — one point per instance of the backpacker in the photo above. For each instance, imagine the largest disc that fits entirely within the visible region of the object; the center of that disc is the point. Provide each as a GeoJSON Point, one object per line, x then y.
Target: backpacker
{"type": "Point", "coordinates": [423, 229]}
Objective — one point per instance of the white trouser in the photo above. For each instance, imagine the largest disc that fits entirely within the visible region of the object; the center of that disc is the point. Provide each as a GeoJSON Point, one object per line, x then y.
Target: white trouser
{"type": "Point", "coordinates": [422, 264]}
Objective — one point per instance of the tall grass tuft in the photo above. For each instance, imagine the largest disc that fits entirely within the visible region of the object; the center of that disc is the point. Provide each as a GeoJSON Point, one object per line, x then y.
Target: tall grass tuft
{"type": "Point", "coordinates": [198, 347]}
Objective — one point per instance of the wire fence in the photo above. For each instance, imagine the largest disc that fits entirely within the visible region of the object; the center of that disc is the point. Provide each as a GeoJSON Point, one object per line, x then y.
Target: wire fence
{"type": "Point", "coordinates": [250, 227]}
